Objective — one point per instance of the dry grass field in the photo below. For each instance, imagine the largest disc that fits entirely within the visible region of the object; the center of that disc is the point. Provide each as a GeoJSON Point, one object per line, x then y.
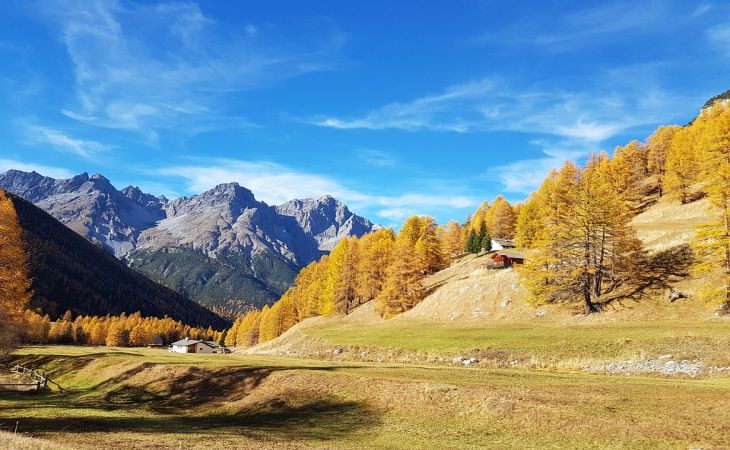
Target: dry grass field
{"type": "Point", "coordinates": [145, 398]}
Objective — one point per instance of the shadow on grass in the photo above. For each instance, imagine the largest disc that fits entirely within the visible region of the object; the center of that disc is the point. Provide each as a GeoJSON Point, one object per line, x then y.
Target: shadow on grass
{"type": "Point", "coordinates": [655, 272]}
{"type": "Point", "coordinates": [304, 419]}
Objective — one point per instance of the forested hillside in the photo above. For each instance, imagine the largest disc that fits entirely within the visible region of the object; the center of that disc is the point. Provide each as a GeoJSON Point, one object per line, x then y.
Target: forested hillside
{"type": "Point", "coordinates": [575, 232]}
{"type": "Point", "coordinates": [68, 273]}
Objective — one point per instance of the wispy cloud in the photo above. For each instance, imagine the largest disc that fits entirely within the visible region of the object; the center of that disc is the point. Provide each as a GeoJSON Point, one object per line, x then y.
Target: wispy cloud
{"type": "Point", "coordinates": [719, 35]}
{"type": "Point", "coordinates": [123, 81]}
{"type": "Point", "coordinates": [591, 115]}
{"type": "Point", "coordinates": [49, 171]}
{"type": "Point", "coordinates": [276, 184]}
{"type": "Point", "coordinates": [586, 27]}
{"type": "Point", "coordinates": [524, 176]}
{"type": "Point", "coordinates": [60, 140]}
{"type": "Point", "coordinates": [378, 158]}
{"type": "Point", "coordinates": [701, 9]}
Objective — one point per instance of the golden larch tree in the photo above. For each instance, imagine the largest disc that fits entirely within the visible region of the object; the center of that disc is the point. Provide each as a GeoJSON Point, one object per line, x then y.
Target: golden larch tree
{"type": "Point", "coordinates": [657, 150]}
{"type": "Point", "coordinates": [712, 242]}
{"type": "Point", "coordinates": [15, 283]}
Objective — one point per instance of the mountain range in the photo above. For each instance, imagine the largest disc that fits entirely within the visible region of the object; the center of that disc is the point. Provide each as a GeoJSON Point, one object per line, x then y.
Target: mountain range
{"type": "Point", "coordinates": [68, 273]}
{"type": "Point", "coordinates": [222, 248]}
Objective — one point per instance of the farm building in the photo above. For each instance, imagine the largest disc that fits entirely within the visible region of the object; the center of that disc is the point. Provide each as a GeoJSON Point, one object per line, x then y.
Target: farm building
{"type": "Point", "coordinates": [508, 259]}
{"type": "Point", "coordinates": [155, 342]}
{"type": "Point", "coordinates": [195, 346]}
{"type": "Point", "coordinates": [502, 244]}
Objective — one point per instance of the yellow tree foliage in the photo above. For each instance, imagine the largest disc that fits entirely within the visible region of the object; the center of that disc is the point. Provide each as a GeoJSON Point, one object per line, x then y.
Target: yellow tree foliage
{"type": "Point", "coordinates": [627, 170]}
{"type": "Point", "coordinates": [231, 338]}
{"type": "Point", "coordinates": [429, 257]}
{"type": "Point", "coordinates": [15, 284]}
{"type": "Point", "coordinates": [529, 222]}
{"type": "Point", "coordinates": [501, 219]}
{"type": "Point", "coordinates": [712, 242]}
{"type": "Point", "coordinates": [402, 289]}
{"type": "Point", "coordinates": [586, 250]}
{"type": "Point", "coordinates": [682, 168]}
{"type": "Point", "coordinates": [248, 331]}
{"type": "Point", "coordinates": [266, 325]}
{"type": "Point", "coordinates": [376, 252]}
{"type": "Point", "coordinates": [657, 150]}
{"type": "Point", "coordinates": [479, 217]}
{"type": "Point", "coordinates": [345, 293]}
{"type": "Point", "coordinates": [452, 240]}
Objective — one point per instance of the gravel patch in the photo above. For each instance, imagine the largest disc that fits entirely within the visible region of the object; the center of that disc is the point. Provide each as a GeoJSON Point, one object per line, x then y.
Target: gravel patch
{"type": "Point", "coordinates": [661, 365]}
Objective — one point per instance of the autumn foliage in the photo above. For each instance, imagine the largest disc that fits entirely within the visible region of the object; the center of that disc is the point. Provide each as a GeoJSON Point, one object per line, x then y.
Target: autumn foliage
{"type": "Point", "coordinates": [15, 284]}
{"type": "Point", "coordinates": [118, 331]}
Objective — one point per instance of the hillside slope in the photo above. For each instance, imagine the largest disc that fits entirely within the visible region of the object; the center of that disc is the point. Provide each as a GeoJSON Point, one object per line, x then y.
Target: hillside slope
{"type": "Point", "coordinates": [468, 305]}
{"type": "Point", "coordinates": [70, 273]}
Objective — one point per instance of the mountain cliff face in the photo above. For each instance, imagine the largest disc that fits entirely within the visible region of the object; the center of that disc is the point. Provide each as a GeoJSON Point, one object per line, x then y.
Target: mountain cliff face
{"type": "Point", "coordinates": [223, 248]}
{"type": "Point", "coordinates": [90, 206]}
{"type": "Point", "coordinates": [325, 222]}
{"type": "Point", "coordinates": [70, 273]}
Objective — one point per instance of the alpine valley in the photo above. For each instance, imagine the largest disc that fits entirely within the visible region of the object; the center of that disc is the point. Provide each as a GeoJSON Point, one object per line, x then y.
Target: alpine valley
{"type": "Point", "coordinates": [222, 248]}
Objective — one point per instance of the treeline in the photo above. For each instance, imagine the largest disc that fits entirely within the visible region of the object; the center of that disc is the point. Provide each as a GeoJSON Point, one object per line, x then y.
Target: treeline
{"type": "Point", "coordinates": [114, 331]}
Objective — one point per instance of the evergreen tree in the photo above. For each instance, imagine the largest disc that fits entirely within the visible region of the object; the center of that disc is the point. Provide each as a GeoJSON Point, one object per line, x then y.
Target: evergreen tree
{"type": "Point", "coordinates": [472, 242]}
{"type": "Point", "coordinates": [481, 238]}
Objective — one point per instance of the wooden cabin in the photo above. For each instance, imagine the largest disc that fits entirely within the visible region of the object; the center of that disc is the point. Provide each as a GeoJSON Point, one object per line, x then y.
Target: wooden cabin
{"type": "Point", "coordinates": [507, 259]}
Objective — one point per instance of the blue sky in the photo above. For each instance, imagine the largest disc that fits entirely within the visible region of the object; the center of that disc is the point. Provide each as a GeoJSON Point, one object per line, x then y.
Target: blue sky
{"type": "Point", "coordinates": [394, 107]}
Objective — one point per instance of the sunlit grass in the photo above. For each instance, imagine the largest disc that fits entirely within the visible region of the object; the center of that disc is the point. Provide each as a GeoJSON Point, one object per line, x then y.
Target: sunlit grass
{"type": "Point", "coordinates": [146, 398]}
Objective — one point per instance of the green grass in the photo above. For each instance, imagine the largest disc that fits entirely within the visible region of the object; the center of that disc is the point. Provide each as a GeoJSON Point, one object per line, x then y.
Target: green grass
{"type": "Point", "coordinates": [142, 398]}
{"type": "Point", "coordinates": [549, 342]}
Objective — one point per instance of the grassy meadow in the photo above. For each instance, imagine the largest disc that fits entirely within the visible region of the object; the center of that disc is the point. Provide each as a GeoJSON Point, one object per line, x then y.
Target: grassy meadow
{"type": "Point", "coordinates": [148, 398]}
{"type": "Point", "coordinates": [550, 344]}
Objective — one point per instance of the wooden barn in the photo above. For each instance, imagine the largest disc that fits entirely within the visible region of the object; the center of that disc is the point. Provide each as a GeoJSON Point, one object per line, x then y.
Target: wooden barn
{"type": "Point", "coordinates": [507, 259]}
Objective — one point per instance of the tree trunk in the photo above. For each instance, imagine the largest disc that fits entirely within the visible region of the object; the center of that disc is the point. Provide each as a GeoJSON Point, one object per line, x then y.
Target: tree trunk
{"type": "Point", "coordinates": [588, 305]}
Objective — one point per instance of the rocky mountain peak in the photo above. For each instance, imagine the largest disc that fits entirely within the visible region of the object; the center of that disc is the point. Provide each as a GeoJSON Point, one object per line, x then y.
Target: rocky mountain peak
{"type": "Point", "coordinates": [228, 196]}
{"type": "Point", "coordinates": [135, 194]}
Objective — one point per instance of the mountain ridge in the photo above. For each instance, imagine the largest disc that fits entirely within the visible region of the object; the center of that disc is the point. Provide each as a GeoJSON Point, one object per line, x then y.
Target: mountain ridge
{"type": "Point", "coordinates": [223, 247]}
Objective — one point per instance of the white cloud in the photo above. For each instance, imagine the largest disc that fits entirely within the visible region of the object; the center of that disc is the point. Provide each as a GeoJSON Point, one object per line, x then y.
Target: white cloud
{"type": "Point", "coordinates": [525, 176]}
{"type": "Point", "coordinates": [592, 115]}
{"type": "Point", "coordinates": [49, 171]}
{"type": "Point", "coordinates": [276, 184]}
{"type": "Point", "coordinates": [124, 81]}
{"type": "Point", "coordinates": [86, 149]}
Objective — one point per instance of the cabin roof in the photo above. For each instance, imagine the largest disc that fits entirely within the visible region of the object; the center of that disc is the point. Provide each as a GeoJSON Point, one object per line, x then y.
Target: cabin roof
{"type": "Point", "coordinates": [504, 242]}
{"type": "Point", "coordinates": [186, 342]}
{"type": "Point", "coordinates": [510, 255]}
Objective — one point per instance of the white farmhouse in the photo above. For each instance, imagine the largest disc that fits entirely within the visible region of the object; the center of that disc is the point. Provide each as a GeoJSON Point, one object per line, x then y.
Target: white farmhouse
{"type": "Point", "coordinates": [502, 244]}
{"type": "Point", "coordinates": [195, 346]}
